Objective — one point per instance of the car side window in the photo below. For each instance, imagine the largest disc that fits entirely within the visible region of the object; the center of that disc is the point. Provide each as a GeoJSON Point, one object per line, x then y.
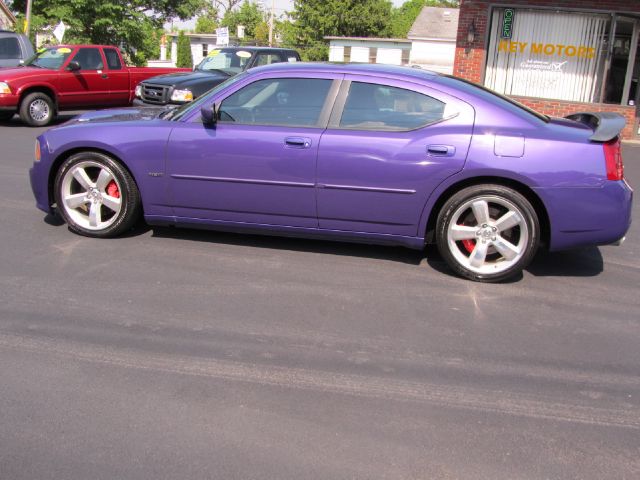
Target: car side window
{"type": "Point", "coordinates": [89, 59]}
{"type": "Point", "coordinates": [113, 59]}
{"type": "Point", "coordinates": [277, 101]}
{"type": "Point", "coordinates": [9, 48]}
{"type": "Point", "coordinates": [371, 106]}
{"type": "Point", "coordinates": [267, 59]}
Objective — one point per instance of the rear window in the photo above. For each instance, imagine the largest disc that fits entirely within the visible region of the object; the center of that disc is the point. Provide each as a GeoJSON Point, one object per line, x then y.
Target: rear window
{"type": "Point", "coordinates": [9, 48]}
{"type": "Point", "coordinates": [113, 59]}
{"type": "Point", "coordinates": [491, 96]}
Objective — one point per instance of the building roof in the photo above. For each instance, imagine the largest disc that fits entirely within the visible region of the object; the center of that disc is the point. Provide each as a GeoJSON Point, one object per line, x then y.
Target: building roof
{"type": "Point", "coordinates": [7, 12]}
{"type": "Point", "coordinates": [368, 39]}
{"type": "Point", "coordinates": [436, 23]}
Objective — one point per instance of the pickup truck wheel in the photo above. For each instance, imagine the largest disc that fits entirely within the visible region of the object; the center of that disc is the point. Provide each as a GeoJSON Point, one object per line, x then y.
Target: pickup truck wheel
{"type": "Point", "coordinates": [6, 116]}
{"type": "Point", "coordinates": [36, 109]}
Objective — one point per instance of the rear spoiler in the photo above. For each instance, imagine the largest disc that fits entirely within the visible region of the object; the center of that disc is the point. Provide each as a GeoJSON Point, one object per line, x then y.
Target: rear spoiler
{"type": "Point", "coordinates": [606, 125]}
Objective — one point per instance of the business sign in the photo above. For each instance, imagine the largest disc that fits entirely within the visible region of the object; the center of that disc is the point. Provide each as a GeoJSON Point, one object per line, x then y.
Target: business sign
{"type": "Point", "coordinates": [507, 23]}
{"type": "Point", "coordinates": [222, 36]}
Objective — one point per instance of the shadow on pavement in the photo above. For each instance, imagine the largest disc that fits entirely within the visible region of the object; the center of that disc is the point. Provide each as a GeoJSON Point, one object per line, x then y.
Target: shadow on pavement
{"type": "Point", "coordinates": [397, 254]}
{"type": "Point", "coordinates": [16, 122]}
{"type": "Point", "coordinates": [584, 262]}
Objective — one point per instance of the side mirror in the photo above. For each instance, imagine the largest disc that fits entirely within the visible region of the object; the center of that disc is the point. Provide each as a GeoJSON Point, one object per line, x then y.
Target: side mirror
{"type": "Point", "coordinates": [209, 114]}
{"type": "Point", "coordinates": [73, 66]}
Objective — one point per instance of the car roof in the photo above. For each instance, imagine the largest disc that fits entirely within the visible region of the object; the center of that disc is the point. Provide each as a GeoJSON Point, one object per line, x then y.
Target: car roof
{"type": "Point", "coordinates": [346, 68]}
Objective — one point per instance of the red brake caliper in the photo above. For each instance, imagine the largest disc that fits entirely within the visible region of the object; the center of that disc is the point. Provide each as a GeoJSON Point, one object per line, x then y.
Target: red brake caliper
{"type": "Point", "coordinates": [468, 244]}
{"type": "Point", "coordinates": [112, 189]}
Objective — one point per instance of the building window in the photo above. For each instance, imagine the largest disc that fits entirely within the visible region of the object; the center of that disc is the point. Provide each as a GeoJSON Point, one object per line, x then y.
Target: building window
{"type": "Point", "coordinates": [205, 49]}
{"type": "Point", "coordinates": [373, 52]}
{"type": "Point", "coordinates": [573, 56]}
{"type": "Point", "coordinates": [406, 56]}
{"type": "Point", "coordinates": [347, 54]}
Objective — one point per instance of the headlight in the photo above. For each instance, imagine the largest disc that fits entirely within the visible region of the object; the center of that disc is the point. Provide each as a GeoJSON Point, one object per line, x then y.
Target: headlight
{"type": "Point", "coordinates": [182, 96]}
{"type": "Point", "coordinates": [138, 91]}
{"type": "Point", "coordinates": [4, 87]}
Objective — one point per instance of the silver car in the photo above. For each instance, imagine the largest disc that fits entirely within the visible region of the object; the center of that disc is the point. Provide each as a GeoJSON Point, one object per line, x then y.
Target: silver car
{"type": "Point", "coordinates": [14, 48]}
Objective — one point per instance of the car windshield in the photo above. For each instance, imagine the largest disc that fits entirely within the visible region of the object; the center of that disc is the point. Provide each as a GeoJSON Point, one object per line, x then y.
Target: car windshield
{"type": "Point", "coordinates": [178, 113]}
{"type": "Point", "coordinates": [229, 62]}
{"type": "Point", "coordinates": [51, 58]}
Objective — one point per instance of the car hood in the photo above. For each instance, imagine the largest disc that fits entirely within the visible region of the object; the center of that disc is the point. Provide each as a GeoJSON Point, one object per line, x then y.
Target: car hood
{"type": "Point", "coordinates": [118, 115]}
{"type": "Point", "coordinates": [187, 78]}
{"type": "Point", "coordinates": [11, 73]}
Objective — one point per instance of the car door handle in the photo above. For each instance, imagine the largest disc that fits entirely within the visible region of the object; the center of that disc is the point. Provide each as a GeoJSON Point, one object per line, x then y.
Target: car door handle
{"type": "Point", "coordinates": [104, 75]}
{"type": "Point", "coordinates": [441, 150]}
{"type": "Point", "coordinates": [297, 142]}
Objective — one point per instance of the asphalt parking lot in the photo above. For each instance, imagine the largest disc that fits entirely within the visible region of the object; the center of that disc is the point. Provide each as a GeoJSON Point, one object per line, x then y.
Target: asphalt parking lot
{"type": "Point", "coordinates": [180, 354]}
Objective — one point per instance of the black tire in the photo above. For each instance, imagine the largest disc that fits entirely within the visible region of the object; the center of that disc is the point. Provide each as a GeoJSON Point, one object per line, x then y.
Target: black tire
{"type": "Point", "coordinates": [6, 116]}
{"type": "Point", "coordinates": [480, 250]}
{"type": "Point", "coordinates": [37, 109]}
{"type": "Point", "coordinates": [109, 183]}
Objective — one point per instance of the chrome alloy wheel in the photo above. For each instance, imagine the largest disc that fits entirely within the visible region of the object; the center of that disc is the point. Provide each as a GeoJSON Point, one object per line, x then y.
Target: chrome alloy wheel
{"type": "Point", "coordinates": [90, 195]}
{"type": "Point", "coordinates": [487, 234]}
{"type": "Point", "coordinates": [39, 110]}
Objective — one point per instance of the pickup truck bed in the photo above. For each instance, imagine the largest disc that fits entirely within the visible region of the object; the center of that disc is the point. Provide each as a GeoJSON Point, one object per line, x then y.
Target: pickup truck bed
{"type": "Point", "coordinates": [70, 77]}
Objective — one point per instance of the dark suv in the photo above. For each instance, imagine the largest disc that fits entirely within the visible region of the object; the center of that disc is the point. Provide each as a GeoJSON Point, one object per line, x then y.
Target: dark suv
{"type": "Point", "coordinates": [215, 68]}
{"type": "Point", "coordinates": [14, 48]}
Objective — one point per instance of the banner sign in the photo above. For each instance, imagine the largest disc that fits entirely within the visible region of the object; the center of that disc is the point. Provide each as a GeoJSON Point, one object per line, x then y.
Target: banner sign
{"type": "Point", "coordinates": [222, 36]}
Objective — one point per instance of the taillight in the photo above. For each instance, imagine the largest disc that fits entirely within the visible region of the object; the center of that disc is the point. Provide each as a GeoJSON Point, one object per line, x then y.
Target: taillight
{"type": "Point", "coordinates": [613, 160]}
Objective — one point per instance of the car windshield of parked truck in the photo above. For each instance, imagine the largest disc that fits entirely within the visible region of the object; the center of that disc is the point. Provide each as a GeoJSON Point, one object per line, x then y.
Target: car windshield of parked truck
{"type": "Point", "coordinates": [51, 58]}
{"type": "Point", "coordinates": [178, 113]}
{"type": "Point", "coordinates": [229, 62]}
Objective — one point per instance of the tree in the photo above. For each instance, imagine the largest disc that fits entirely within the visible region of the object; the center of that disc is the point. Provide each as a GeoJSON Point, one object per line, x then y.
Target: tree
{"type": "Point", "coordinates": [185, 58]}
{"type": "Point", "coordinates": [207, 20]}
{"type": "Point", "coordinates": [402, 18]}
{"type": "Point", "coordinates": [225, 5]}
{"type": "Point", "coordinates": [315, 19]}
{"type": "Point", "coordinates": [249, 14]}
{"type": "Point", "coordinates": [125, 23]}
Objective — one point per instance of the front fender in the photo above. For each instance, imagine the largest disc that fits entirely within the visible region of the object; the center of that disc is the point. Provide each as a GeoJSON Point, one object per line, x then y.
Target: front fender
{"type": "Point", "coordinates": [145, 160]}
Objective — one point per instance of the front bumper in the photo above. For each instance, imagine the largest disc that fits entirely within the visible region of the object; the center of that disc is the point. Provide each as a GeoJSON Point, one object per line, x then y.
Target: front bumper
{"type": "Point", "coordinates": [8, 103]}
{"type": "Point", "coordinates": [39, 178]}
{"type": "Point", "coordinates": [137, 102]}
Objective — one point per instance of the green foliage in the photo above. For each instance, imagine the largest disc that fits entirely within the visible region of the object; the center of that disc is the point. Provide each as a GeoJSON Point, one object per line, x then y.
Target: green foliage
{"type": "Point", "coordinates": [402, 18]}
{"type": "Point", "coordinates": [125, 23]}
{"type": "Point", "coordinates": [185, 58]}
{"type": "Point", "coordinates": [315, 19]}
{"type": "Point", "coordinates": [207, 20]}
{"type": "Point", "coordinates": [249, 14]}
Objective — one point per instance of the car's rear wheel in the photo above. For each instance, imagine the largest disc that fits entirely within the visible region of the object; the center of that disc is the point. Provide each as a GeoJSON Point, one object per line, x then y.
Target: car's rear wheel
{"type": "Point", "coordinates": [96, 196]}
{"type": "Point", "coordinates": [37, 109]}
{"type": "Point", "coordinates": [487, 233]}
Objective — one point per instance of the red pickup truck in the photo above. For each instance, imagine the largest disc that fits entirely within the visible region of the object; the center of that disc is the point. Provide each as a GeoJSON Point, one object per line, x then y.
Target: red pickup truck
{"type": "Point", "coordinates": [70, 77]}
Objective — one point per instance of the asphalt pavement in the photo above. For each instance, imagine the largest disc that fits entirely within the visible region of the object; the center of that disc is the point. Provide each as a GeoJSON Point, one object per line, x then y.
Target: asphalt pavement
{"type": "Point", "coordinates": [183, 354]}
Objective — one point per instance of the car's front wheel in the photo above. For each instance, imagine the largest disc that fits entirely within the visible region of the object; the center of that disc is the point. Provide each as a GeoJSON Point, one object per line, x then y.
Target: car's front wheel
{"type": "Point", "coordinates": [487, 233]}
{"type": "Point", "coordinates": [37, 109]}
{"type": "Point", "coordinates": [96, 196]}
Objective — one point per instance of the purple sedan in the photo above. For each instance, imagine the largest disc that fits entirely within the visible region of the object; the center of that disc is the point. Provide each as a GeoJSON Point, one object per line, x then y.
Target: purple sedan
{"type": "Point", "coordinates": [363, 153]}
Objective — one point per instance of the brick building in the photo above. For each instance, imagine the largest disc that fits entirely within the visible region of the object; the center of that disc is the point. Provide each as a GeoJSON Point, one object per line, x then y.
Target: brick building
{"type": "Point", "coordinates": [556, 56]}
